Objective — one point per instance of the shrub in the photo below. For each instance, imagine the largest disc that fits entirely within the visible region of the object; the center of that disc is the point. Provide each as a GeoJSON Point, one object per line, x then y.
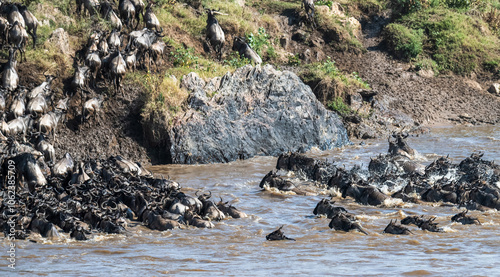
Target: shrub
{"type": "Point", "coordinates": [258, 41]}
{"type": "Point", "coordinates": [403, 7]}
{"type": "Point", "coordinates": [184, 57]}
{"type": "Point", "coordinates": [403, 42]}
{"type": "Point", "coordinates": [338, 105]}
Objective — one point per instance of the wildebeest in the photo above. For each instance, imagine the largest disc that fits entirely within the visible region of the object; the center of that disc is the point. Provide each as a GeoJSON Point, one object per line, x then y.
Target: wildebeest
{"type": "Point", "coordinates": [18, 106]}
{"type": "Point", "coordinates": [150, 18]}
{"type": "Point", "coordinates": [131, 60]}
{"type": "Point", "coordinates": [343, 223]}
{"type": "Point", "coordinates": [309, 8]}
{"type": "Point", "coordinates": [43, 88]}
{"type": "Point", "coordinates": [31, 23]}
{"type": "Point", "coordinates": [215, 34]}
{"type": "Point", "coordinates": [91, 108]}
{"type": "Point", "coordinates": [395, 229]}
{"type": "Point", "coordinates": [245, 51]}
{"type": "Point", "coordinates": [118, 68]}
{"type": "Point", "coordinates": [27, 167]}
{"type": "Point", "coordinates": [91, 6]}
{"type": "Point", "coordinates": [325, 207]}
{"type": "Point", "coordinates": [399, 146]}
{"type": "Point", "coordinates": [127, 12]}
{"type": "Point", "coordinates": [415, 220]}
{"type": "Point", "coordinates": [80, 80]}
{"type": "Point", "coordinates": [139, 7]}
{"type": "Point", "coordinates": [19, 125]}
{"type": "Point", "coordinates": [210, 211]}
{"type": "Point", "coordinates": [465, 219]}
{"type": "Point", "coordinates": [230, 210]}
{"type": "Point", "coordinates": [4, 30]}
{"type": "Point", "coordinates": [93, 61]}
{"type": "Point", "coordinates": [430, 225]}
{"type": "Point", "coordinates": [64, 166]}
{"type": "Point", "coordinates": [158, 50]}
{"type": "Point", "coordinates": [157, 222]}
{"type": "Point", "coordinates": [2, 102]}
{"type": "Point", "coordinates": [14, 15]}
{"type": "Point", "coordinates": [114, 40]}
{"type": "Point", "coordinates": [278, 235]}
{"type": "Point", "coordinates": [48, 123]}
{"type": "Point", "coordinates": [44, 228]}
{"type": "Point", "coordinates": [10, 78]}
{"type": "Point", "coordinates": [46, 148]}
{"type": "Point", "coordinates": [38, 105]}
{"type": "Point", "coordinates": [18, 38]}
{"type": "Point", "coordinates": [196, 221]}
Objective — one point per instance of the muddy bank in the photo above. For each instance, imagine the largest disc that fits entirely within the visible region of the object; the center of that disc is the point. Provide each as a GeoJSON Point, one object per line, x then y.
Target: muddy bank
{"type": "Point", "coordinates": [427, 99]}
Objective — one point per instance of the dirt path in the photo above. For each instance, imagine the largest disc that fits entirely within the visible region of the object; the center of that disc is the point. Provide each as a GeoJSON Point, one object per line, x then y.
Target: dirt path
{"type": "Point", "coordinates": [428, 100]}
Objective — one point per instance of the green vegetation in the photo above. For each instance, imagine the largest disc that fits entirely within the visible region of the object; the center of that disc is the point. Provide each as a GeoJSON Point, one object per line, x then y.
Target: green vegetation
{"type": "Point", "coordinates": [338, 105]}
{"type": "Point", "coordinates": [328, 83]}
{"type": "Point", "coordinates": [405, 43]}
{"type": "Point", "coordinates": [459, 36]}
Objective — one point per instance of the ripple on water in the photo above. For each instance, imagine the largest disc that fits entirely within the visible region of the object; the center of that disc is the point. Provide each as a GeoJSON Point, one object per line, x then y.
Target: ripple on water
{"type": "Point", "coordinates": [419, 272]}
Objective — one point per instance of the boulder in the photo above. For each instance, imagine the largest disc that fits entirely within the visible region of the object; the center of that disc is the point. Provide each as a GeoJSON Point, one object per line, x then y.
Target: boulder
{"type": "Point", "coordinates": [253, 111]}
{"type": "Point", "coordinates": [495, 89]}
{"type": "Point", "coordinates": [59, 38]}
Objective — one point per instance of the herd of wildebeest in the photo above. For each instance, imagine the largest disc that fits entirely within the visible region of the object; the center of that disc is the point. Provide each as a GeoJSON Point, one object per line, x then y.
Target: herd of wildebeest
{"type": "Point", "coordinates": [44, 195]}
{"type": "Point", "coordinates": [473, 184]}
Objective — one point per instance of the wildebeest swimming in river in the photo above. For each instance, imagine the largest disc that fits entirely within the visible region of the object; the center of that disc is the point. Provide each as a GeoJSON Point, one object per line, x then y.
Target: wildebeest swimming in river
{"type": "Point", "coordinates": [465, 219]}
{"type": "Point", "coordinates": [395, 229]}
{"type": "Point", "coordinates": [424, 224]}
{"type": "Point", "coordinates": [326, 207]}
{"type": "Point", "coordinates": [341, 222]}
{"type": "Point", "coordinates": [278, 235]}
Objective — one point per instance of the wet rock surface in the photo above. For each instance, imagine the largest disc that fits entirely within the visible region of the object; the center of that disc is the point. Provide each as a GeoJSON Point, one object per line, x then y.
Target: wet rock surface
{"type": "Point", "coordinates": [253, 111]}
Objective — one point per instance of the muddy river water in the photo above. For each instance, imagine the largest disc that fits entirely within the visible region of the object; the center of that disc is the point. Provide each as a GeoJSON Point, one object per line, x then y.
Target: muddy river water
{"type": "Point", "coordinates": [237, 247]}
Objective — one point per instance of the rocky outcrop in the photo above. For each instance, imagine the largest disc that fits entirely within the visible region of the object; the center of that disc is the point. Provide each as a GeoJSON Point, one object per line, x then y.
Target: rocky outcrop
{"type": "Point", "coordinates": [60, 39]}
{"type": "Point", "coordinates": [253, 111]}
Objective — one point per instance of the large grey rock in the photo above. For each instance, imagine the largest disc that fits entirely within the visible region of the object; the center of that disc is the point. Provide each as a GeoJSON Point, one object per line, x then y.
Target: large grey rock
{"type": "Point", "coordinates": [253, 111]}
{"type": "Point", "coordinates": [60, 39]}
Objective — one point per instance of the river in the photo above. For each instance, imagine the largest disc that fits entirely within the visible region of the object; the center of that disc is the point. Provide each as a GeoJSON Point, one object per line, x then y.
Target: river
{"type": "Point", "coordinates": [237, 247]}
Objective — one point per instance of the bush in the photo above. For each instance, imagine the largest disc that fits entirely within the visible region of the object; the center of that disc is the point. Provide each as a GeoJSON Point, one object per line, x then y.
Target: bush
{"type": "Point", "coordinates": [459, 4]}
{"type": "Point", "coordinates": [258, 41]}
{"type": "Point", "coordinates": [338, 105]}
{"type": "Point", "coordinates": [404, 43]}
{"type": "Point", "coordinates": [403, 7]}
{"type": "Point", "coordinates": [236, 61]}
{"type": "Point", "coordinates": [184, 57]}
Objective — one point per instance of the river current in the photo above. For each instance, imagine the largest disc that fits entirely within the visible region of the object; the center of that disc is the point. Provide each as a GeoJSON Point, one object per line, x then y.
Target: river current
{"type": "Point", "coordinates": [237, 247]}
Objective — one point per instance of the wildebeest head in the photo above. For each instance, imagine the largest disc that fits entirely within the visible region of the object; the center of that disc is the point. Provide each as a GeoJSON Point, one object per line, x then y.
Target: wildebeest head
{"type": "Point", "coordinates": [393, 228]}
{"type": "Point", "coordinates": [278, 235]}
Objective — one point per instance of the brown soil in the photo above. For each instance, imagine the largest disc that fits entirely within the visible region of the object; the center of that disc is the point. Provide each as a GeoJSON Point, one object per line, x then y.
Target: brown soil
{"type": "Point", "coordinates": [428, 100]}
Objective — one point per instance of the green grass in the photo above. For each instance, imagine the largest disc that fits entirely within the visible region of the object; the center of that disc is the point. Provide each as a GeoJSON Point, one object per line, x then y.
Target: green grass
{"type": "Point", "coordinates": [332, 83]}
{"type": "Point", "coordinates": [405, 43]}
{"type": "Point", "coordinates": [338, 105]}
{"type": "Point", "coordinates": [455, 41]}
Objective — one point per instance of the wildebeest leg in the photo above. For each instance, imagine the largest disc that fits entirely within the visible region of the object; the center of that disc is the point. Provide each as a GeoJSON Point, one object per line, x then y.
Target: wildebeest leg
{"type": "Point", "coordinates": [34, 36]}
